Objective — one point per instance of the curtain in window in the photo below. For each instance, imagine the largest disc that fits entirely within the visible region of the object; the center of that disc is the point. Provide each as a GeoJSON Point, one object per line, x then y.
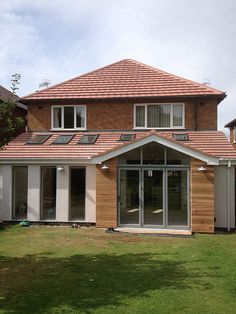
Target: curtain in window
{"type": "Point", "coordinates": [140, 116]}
{"type": "Point", "coordinates": [80, 117]}
{"type": "Point", "coordinates": [159, 116]}
{"type": "Point", "coordinates": [57, 117]}
{"type": "Point", "coordinates": [177, 115]}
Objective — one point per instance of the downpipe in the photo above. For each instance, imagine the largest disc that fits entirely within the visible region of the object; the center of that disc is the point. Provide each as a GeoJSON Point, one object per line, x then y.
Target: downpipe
{"type": "Point", "coordinates": [228, 195]}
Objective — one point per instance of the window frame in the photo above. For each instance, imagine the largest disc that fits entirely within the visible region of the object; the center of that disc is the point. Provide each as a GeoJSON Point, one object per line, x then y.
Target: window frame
{"type": "Point", "coordinates": [145, 105]}
{"type": "Point", "coordinates": [75, 120]}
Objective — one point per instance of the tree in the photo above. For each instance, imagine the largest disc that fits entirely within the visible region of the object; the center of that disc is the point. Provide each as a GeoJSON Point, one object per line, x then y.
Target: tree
{"type": "Point", "coordinates": [9, 123]}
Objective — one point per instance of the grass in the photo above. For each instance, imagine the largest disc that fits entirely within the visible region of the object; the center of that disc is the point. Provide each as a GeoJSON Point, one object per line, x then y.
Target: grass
{"type": "Point", "coordinates": [64, 270]}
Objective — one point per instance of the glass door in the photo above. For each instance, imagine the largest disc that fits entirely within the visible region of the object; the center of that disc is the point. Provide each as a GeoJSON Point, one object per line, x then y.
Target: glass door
{"type": "Point", "coordinates": [129, 197]}
{"type": "Point", "coordinates": [153, 200]}
{"type": "Point", "coordinates": [177, 197]}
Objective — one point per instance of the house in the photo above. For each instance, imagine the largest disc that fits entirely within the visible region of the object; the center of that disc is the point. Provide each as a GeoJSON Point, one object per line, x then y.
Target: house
{"type": "Point", "coordinates": [20, 109]}
{"type": "Point", "coordinates": [232, 128]}
{"type": "Point", "coordinates": [124, 145]}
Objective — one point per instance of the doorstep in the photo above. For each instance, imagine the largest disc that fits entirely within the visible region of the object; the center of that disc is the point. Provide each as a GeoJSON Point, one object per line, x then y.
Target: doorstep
{"type": "Point", "coordinates": [154, 231]}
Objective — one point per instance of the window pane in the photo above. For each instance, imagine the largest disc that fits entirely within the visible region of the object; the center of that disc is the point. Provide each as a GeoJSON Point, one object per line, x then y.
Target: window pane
{"type": "Point", "coordinates": [80, 117]}
{"type": "Point", "coordinates": [57, 118]}
{"type": "Point", "coordinates": [88, 139]}
{"type": "Point", "coordinates": [48, 192]}
{"type": "Point", "coordinates": [177, 115]}
{"type": "Point", "coordinates": [159, 116]}
{"type": "Point", "coordinates": [133, 157]}
{"type": "Point", "coordinates": [140, 116]}
{"type": "Point", "coordinates": [63, 139]}
{"type": "Point", "coordinates": [69, 117]}
{"type": "Point", "coordinates": [77, 194]}
{"type": "Point", "coordinates": [20, 189]}
{"type": "Point", "coordinates": [176, 158]}
{"type": "Point", "coordinates": [153, 154]}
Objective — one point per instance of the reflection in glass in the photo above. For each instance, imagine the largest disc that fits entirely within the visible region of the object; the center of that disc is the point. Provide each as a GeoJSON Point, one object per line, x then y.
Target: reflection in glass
{"type": "Point", "coordinates": [153, 197]}
{"type": "Point", "coordinates": [176, 158]}
{"type": "Point", "coordinates": [177, 198]}
{"type": "Point", "coordinates": [20, 188]}
{"type": "Point", "coordinates": [77, 193]}
{"type": "Point", "coordinates": [68, 117]}
{"type": "Point", "coordinates": [48, 192]}
{"type": "Point", "coordinates": [153, 154]}
{"type": "Point", "coordinates": [129, 197]}
{"type": "Point", "coordinates": [131, 157]}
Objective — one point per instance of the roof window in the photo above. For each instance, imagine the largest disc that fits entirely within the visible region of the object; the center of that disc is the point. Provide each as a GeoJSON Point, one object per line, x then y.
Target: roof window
{"type": "Point", "coordinates": [63, 139]}
{"type": "Point", "coordinates": [181, 137]}
{"type": "Point", "coordinates": [127, 137]}
{"type": "Point", "coordinates": [88, 139]}
{"type": "Point", "coordinates": [38, 139]}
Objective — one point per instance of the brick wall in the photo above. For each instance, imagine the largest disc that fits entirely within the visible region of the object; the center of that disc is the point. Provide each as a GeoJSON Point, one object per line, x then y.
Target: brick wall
{"type": "Point", "coordinates": [119, 115]}
{"type": "Point", "coordinates": [232, 137]}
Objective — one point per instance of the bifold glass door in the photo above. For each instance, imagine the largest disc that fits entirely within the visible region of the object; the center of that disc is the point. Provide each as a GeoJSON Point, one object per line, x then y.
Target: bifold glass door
{"type": "Point", "coordinates": [153, 197]}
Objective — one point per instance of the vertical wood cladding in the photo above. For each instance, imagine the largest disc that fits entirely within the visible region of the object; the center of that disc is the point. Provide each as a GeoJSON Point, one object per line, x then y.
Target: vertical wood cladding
{"type": "Point", "coordinates": [120, 115]}
{"type": "Point", "coordinates": [202, 197]}
{"type": "Point", "coordinates": [106, 195]}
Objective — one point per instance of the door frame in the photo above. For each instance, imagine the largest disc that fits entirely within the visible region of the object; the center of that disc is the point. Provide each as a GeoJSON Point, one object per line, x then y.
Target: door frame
{"type": "Point", "coordinates": [164, 170]}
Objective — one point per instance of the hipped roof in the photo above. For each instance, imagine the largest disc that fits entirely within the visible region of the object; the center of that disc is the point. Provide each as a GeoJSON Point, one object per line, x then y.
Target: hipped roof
{"type": "Point", "coordinates": [125, 79]}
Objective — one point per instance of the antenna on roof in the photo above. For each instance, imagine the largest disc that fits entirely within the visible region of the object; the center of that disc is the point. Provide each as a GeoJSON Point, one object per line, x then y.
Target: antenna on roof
{"type": "Point", "coordinates": [44, 84]}
{"type": "Point", "coordinates": [206, 81]}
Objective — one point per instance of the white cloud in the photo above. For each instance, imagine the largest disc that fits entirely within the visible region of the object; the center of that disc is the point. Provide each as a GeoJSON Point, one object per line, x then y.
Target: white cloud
{"type": "Point", "coordinates": [61, 39]}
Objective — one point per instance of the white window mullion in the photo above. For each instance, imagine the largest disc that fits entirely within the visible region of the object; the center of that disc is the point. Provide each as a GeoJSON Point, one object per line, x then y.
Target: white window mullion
{"type": "Point", "coordinates": [171, 116]}
{"type": "Point", "coordinates": [75, 122]}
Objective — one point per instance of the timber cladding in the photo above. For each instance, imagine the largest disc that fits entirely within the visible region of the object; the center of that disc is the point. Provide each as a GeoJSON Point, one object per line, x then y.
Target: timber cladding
{"type": "Point", "coordinates": [106, 195]}
{"type": "Point", "coordinates": [202, 197]}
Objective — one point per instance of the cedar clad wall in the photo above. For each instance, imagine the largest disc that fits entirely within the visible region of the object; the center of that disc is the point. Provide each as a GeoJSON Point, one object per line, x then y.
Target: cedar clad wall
{"type": "Point", "coordinates": [119, 115]}
{"type": "Point", "coordinates": [202, 197]}
{"type": "Point", "coordinates": [106, 195]}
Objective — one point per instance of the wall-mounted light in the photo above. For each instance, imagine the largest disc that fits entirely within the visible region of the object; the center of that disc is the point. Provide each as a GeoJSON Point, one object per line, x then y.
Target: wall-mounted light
{"type": "Point", "coordinates": [105, 167]}
{"type": "Point", "coordinates": [202, 168]}
{"type": "Point", "coordinates": [60, 168]}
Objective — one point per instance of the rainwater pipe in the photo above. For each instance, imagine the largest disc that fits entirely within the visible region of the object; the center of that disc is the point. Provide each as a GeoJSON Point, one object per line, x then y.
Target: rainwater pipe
{"type": "Point", "coordinates": [228, 195]}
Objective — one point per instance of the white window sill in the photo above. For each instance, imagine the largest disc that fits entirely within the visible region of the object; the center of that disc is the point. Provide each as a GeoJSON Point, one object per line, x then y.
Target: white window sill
{"type": "Point", "coordinates": [159, 128]}
{"type": "Point", "coordinates": [64, 130]}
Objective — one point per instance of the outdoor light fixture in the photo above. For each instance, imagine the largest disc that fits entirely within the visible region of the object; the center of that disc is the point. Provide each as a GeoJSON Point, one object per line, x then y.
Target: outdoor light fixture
{"type": "Point", "coordinates": [105, 167]}
{"type": "Point", "coordinates": [60, 168]}
{"type": "Point", "coordinates": [202, 168]}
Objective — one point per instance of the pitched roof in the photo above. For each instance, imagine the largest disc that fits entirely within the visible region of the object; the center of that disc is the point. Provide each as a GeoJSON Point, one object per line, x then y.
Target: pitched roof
{"type": "Point", "coordinates": [231, 124]}
{"type": "Point", "coordinates": [5, 94]}
{"type": "Point", "coordinates": [210, 143]}
{"type": "Point", "coordinates": [125, 79]}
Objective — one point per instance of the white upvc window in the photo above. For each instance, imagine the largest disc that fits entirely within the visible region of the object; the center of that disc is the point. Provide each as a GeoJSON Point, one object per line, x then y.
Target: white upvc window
{"type": "Point", "coordinates": [68, 117]}
{"type": "Point", "coordinates": [159, 116]}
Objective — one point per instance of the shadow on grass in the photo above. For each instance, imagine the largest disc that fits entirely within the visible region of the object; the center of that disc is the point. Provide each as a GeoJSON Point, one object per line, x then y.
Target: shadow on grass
{"type": "Point", "coordinates": [81, 283]}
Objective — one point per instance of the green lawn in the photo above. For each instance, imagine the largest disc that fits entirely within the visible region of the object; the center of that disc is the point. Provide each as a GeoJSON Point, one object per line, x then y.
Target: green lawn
{"type": "Point", "coordinates": [64, 270]}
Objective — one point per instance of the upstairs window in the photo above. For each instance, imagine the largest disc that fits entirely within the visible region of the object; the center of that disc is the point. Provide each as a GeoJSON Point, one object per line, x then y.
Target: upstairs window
{"type": "Point", "coordinates": [161, 116]}
{"type": "Point", "coordinates": [68, 117]}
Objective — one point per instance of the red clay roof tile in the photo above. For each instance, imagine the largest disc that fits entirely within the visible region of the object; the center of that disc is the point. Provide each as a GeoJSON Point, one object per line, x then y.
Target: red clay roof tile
{"type": "Point", "coordinates": [211, 143]}
{"type": "Point", "coordinates": [124, 79]}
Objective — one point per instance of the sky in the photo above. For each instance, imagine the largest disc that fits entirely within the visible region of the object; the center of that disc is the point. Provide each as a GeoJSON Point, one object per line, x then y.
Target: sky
{"type": "Point", "coordinates": [57, 40]}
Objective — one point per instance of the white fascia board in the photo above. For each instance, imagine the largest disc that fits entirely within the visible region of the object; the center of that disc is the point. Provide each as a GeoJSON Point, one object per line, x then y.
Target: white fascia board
{"type": "Point", "coordinates": [49, 161]}
{"type": "Point", "coordinates": [225, 162]}
{"type": "Point", "coordinates": [22, 106]}
{"type": "Point", "coordinates": [154, 138]}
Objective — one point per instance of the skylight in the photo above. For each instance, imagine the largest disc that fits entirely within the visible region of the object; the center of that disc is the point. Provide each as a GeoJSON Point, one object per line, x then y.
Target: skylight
{"type": "Point", "coordinates": [181, 137]}
{"type": "Point", "coordinates": [127, 137]}
{"type": "Point", "coordinates": [88, 139]}
{"type": "Point", "coordinates": [63, 139]}
{"type": "Point", "coordinates": [38, 139]}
